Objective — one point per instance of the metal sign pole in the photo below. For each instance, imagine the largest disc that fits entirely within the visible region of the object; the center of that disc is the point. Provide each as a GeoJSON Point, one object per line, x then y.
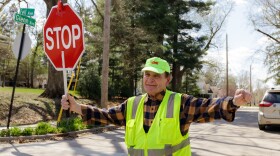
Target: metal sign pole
{"type": "Point", "coordinates": [65, 84]}
{"type": "Point", "coordinates": [16, 74]}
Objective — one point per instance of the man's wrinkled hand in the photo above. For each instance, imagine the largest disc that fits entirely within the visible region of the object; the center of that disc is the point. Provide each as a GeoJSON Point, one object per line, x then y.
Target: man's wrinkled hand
{"type": "Point", "coordinates": [68, 102]}
{"type": "Point", "coordinates": [242, 97]}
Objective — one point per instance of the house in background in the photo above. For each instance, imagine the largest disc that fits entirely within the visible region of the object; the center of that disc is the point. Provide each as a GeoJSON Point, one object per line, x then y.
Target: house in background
{"type": "Point", "coordinates": [208, 91]}
{"type": "Point", "coordinates": [41, 81]}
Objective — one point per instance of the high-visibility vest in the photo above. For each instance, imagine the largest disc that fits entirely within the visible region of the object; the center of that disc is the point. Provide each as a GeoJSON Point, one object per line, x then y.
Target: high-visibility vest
{"type": "Point", "coordinates": [164, 137]}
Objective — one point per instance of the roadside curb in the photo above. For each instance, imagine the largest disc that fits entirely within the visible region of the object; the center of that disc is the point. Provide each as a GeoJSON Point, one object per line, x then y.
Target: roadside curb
{"type": "Point", "coordinates": [48, 136]}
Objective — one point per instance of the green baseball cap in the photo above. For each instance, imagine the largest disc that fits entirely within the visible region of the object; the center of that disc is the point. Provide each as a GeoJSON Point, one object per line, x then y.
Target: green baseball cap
{"type": "Point", "coordinates": [157, 65]}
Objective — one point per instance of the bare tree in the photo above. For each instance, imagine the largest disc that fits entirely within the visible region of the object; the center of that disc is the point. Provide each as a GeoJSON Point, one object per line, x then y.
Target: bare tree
{"type": "Point", "coordinates": [259, 91]}
{"type": "Point", "coordinates": [3, 3]}
{"type": "Point", "coordinates": [212, 23]}
{"type": "Point", "coordinates": [268, 35]}
{"type": "Point", "coordinates": [210, 71]}
{"type": "Point", "coordinates": [215, 20]}
{"type": "Point", "coordinates": [97, 9]}
{"type": "Point", "coordinates": [39, 38]}
{"type": "Point", "coordinates": [232, 86]}
{"type": "Point", "coordinates": [266, 20]}
{"type": "Point", "coordinates": [243, 80]}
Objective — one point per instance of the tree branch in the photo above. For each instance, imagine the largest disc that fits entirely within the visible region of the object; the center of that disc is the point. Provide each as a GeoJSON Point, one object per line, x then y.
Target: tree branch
{"type": "Point", "coordinates": [266, 34]}
{"type": "Point", "coordinates": [4, 3]}
{"type": "Point", "coordinates": [218, 28]}
{"type": "Point", "coordinates": [97, 9]}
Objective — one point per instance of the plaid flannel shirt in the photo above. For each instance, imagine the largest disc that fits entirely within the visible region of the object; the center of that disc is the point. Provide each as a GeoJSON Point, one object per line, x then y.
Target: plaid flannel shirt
{"type": "Point", "coordinates": [192, 109]}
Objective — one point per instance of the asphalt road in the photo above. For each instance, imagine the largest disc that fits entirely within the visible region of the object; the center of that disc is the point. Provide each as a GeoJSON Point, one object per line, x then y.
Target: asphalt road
{"type": "Point", "coordinates": [220, 138]}
{"type": "Point", "coordinates": [239, 138]}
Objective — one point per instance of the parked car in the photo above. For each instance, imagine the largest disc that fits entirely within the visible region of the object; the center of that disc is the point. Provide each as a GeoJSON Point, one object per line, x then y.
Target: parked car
{"type": "Point", "coordinates": [269, 109]}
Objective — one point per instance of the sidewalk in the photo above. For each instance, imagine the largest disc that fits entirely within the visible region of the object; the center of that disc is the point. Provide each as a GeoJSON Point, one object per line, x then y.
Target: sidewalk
{"type": "Point", "coordinates": [102, 144]}
{"type": "Point", "coordinates": [94, 130]}
{"type": "Point", "coordinates": [53, 123]}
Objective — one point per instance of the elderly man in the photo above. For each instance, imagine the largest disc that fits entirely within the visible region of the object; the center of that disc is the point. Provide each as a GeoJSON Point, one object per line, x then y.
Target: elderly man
{"type": "Point", "coordinates": [157, 122]}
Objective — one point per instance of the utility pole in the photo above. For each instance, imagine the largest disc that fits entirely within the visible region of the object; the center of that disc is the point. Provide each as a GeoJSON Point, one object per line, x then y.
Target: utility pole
{"type": "Point", "coordinates": [250, 80]}
{"type": "Point", "coordinates": [227, 64]}
{"type": "Point", "coordinates": [105, 64]}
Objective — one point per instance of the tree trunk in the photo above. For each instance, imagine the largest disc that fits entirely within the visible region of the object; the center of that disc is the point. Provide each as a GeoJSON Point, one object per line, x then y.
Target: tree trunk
{"type": "Point", "coordinates": [6, 65]}
{"type": "Point", "coordinates": [3, 81]}
{"type": "Point", "coordinates": [180, 79]}
{"type": "Point", "coordinates": [28, 75]}
{"type": "Point", "coordinates": [176, 66]}
{"type": "Point", "coordinates": [177, 74]}
{"type": "Point", "coordinates": [176, 77]}
{"type": "Point", "coordinates": [106, 48]}
{"type": "Point", "coordinates": [3, 74]}
{"type": "Point", "coordinates": [33, 63]}
{"type": "Point", "coordinates": [32, 75]}
{"type": "Point", "coordinates": [55, 88]}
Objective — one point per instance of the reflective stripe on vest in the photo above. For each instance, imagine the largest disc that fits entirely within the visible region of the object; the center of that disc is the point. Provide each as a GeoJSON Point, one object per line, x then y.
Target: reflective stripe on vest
{"type": "Point", "coordinates": [135, 105]}
{"type": "Point", "coordinates": [170, 109]}
{"type": "Point", "coordinates": [168, 150]}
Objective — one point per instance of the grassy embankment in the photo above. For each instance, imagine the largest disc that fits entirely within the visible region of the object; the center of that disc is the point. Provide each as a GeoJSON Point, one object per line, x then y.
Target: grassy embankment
{"type": "Point", "coordinates": [28, 107]}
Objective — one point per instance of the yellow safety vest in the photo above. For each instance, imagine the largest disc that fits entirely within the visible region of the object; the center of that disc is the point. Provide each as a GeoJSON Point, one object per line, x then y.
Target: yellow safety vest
{"type": "Point", "coordinates": [164, 137]}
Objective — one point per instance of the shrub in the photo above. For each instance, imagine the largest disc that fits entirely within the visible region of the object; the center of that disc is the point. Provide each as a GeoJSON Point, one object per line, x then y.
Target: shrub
{"type": "Point", "coordinates": [52, 130]}
{"type": "Point", "coordinates": [15, 131]}
{"type": "Point", "coordinates": [27, 131]}
{"type": "Point", "coordinates": [44, 128]}
{"type": "Point", "coordinates": [126, 91]}
{"type": "Point", "coordinates": [5, 132]}
{"type": "Point", "coordinates": [89, 84]}
{"type": "Point", "coordinates": [71, 124]}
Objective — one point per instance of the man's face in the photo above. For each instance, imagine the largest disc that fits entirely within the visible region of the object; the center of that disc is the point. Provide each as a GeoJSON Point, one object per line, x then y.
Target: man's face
{"type": "Point", "coordinates": [154, 83]}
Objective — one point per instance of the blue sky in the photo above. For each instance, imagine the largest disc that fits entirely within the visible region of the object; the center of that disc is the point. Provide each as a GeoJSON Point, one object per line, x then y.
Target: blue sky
{"type": "Point", "coordinates": [243, 44]}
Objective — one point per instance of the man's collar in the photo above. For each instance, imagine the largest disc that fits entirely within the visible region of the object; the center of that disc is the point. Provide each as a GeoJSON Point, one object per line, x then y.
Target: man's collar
{"type": "Point", "coordinates": [159, 96]}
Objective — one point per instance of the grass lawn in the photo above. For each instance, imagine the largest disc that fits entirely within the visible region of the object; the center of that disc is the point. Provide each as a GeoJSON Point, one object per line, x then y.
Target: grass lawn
{"type": "Point", "coordinates": [28, 106]}
{"type": "Point", "coordinates": [22, 90]}
{"type": "Point", "coordinates": [29, 90]}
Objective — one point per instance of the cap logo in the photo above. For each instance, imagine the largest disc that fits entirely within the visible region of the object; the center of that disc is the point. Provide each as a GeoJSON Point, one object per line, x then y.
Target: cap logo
{"type": "Point", "coordinates": [154, 62]}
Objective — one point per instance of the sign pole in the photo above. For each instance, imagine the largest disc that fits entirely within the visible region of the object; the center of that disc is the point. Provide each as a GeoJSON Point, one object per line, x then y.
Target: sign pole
{"type": "Point", "coordinates": [60, 112]}
{"type": "Point", "coordinates": [16, 74]}
{"type": "Point", "coordinates": [64, 73]}
{"type": "Point", "coordinates": [65, 82]}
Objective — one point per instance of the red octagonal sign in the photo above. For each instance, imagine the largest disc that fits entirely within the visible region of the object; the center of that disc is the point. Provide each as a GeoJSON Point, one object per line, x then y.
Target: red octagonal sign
{"type": "Point", "coordinates": [63, 32]}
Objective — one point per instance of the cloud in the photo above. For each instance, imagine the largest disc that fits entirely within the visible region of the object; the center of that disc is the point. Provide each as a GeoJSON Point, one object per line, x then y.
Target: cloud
{"type": "Point", "coordinates": [240, 2]}
{"type": "Point", "coordinates": [263, 40]}
{"type": "Point", "coordinates": [240, 59]}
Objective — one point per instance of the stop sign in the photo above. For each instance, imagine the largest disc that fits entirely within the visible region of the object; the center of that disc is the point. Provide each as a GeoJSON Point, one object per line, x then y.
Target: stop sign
{"type": "Point", "coordinates": [63, 32]}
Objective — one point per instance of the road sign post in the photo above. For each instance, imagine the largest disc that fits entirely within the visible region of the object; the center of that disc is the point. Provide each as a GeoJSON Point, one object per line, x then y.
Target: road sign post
{"type": "Point", "coordinates": [63, 40]}
{"type": "Point", "coordinates": [25, 20]}
{"type": "Point", "coordinates": [15, 78]}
